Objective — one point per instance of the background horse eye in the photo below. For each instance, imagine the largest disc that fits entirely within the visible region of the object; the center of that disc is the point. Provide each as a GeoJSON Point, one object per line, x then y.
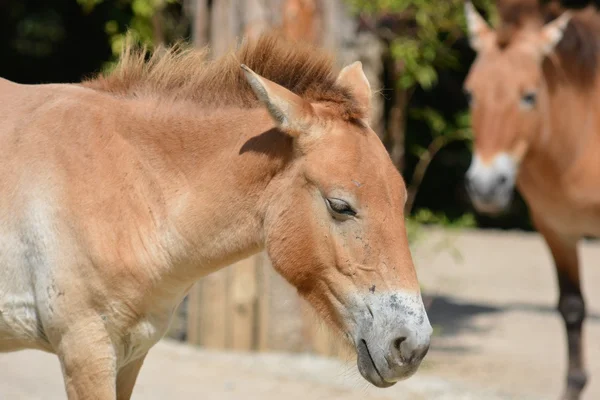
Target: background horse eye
{"type": "Point", "coordinates": [469, 97]}
{"type": "Point", "coordinates": [528, 100]}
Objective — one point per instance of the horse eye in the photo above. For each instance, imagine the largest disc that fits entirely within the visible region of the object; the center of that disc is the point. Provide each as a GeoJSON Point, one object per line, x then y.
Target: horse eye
{"type": "Point", "coordinates": [340, 207]}
{"type": "Point", "coordinates": [528, 99]}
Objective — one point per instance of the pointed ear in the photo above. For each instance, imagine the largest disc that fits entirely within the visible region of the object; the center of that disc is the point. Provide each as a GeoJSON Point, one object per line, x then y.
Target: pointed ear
{"type": "Point", "coordinates": [480, 33]}
{"type": "Point", "coordinates": [353, 77]}
{"type": "Point", "coordinates": [553, 32]}
{"type": "Point", "coordinates": [291, 112]}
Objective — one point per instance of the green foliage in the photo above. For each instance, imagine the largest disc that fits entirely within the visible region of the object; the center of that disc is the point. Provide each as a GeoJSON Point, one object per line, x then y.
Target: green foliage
{"type": "Point", "coordinates": [434, 119]}
{"type": "Point", "coordinates": [422, 42]}
{"type": "Point", "coordinates": [415, 223]}
{"type": "Point", "coordinates": [89, 5]}
{"type": "Point", "coordinates": [141, 26]}
{"type": "Point", "coordinates": [431, 28]}
{"type": "Point", "coordinates": [423, 217]}
{"type": "Point", "coordinates": [442, 130]}
{"type": "Point", "coordinates": [443, 133]}
{"type": "Point", "coordinates": [39, 33]}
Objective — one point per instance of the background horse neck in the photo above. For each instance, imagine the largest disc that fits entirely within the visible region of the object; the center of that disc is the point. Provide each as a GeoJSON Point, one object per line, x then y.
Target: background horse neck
{"type": "Point", "coordinates": [569, 135]}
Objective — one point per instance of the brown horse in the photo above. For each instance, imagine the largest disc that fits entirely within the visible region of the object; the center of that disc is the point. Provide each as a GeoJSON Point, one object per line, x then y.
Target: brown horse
{"type": "Point", "coordinates": [535, 93]}
{"type": "Point", "coordinates": [121, 192]}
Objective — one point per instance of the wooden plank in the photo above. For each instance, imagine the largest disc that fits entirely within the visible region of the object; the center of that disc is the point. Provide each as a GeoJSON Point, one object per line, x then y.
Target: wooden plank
{"type": "Point", "coordinates": [193, 314]}
{"type": "Point", "coordinates": [264, 270]}
{"type": "Point", "coordinates": [224, 27]}
{"type": "Point", "coordinates": [242, 303]}
{"type": "Point", "coordinates": [285, 330]}
{"type": "Point", "coordinates": [200, 22]}
{"type": "Point", "coordinates": [341, 348]}
{"type": "Point", "coordinates": [307, 315]}
{"type": "Point", "coordinates": [255, 18]}
{"type": "Point", "coordinates": [345, 351]}
{"type": "Point", "coordinates": [213, 310]}
{"type": "Point", "coordinates": [319, 336]}
{"type": "Point", "coordinates": [280, 325]}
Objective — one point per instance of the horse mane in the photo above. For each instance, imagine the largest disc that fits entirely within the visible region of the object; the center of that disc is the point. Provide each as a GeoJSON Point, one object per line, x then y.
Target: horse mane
{"type": "Point", "coordinates": [575, 56]}
{"type": "Point", "coordinates": [183, 73]}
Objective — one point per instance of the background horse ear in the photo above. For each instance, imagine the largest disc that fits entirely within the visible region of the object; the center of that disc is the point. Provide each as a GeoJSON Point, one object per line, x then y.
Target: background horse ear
{"type": "Point", "coordinates": [291, 112]}
{"type": "Point", "coordinates": [480, 33]}
{"type": "Point", "coordinates": [353, 77]}
{"type": "Point", "coordinates": [553, 32]}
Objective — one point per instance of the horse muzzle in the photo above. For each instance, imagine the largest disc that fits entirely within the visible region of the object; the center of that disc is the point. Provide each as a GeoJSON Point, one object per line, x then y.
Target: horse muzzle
{"type": "Point", "coordinates": [393, 338]}
{"type": "Point", "coordinates": [491, 185]}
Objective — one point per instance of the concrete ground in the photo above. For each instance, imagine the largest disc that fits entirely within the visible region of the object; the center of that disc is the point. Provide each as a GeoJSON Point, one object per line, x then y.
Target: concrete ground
{"type": "Point", "coordinates": [498, 337]}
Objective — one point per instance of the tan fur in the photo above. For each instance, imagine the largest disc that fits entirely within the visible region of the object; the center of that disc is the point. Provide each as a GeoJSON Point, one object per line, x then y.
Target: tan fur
{"type": "Point", "coordinates": [119, 193]}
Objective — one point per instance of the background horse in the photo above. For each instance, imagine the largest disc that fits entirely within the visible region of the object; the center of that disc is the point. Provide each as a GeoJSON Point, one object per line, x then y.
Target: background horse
{"type": "Point", "coordinates": [121, 192]}
{"type": "Point", "coordinates": [534, 100]}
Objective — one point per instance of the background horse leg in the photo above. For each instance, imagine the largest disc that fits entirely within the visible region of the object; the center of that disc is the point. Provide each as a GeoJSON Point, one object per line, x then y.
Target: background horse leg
{"type": "Point", "coordinates": [126, 378]}
{"type": "Point", "coordinates": [88, 363]}
{"type": "Point", "coordinates": [570, 304]}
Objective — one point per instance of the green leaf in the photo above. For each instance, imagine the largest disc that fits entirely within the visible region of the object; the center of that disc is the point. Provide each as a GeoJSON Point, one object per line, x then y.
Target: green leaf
{"type": "Point", "coordinates": [426, 76]}
{"type": "Point", "coordinates": [418, 150]}
{"type": "Point", "coordinates": [143, 8]}
{"type": "Point", "coordinates": [111, 27]}
{"type": "Point", "coordinates": [88, 5]}
{"type": "Point", "coordinates": [427, 48]}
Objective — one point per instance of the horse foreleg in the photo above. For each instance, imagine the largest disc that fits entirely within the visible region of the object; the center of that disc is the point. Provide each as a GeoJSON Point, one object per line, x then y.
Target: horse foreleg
{"type": "Point", "coordinates": [570, 305]}
{"type": "Point", "coordinates": [126, 378]}
{"type": "Point", "coordinates": [88, 363]}
{"type": "Point", "coordinates": [572, 308]}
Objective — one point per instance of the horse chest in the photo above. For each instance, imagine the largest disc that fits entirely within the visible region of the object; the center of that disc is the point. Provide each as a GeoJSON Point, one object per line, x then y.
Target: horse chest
{"type": "Point", "coordinates": [567, 200]}
{"type": "Point", "coordinates": [139, 338]}
{"type": "Point", "coordinates": [567, 210]}
{"type": "Point", "coordinates": [578, 222]}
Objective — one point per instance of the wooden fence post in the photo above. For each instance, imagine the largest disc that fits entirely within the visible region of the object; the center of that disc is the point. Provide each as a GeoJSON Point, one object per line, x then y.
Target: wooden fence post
{"type": "Point", "coordinates": [242, 304]}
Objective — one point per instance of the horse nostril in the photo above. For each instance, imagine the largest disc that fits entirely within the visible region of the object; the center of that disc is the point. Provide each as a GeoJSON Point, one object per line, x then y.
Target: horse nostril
{"type": "Point", "coordinates": [398, 342]}
{"type": "Point", "coordinates": [502, 179]}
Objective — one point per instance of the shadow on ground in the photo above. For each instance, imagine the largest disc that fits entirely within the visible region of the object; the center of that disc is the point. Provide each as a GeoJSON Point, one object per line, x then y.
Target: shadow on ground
{"type": "Point", "coordinates": [452, 316]}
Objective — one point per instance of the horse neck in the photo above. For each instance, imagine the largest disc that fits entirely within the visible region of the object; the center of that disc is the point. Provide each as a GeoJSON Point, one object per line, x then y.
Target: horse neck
{"type": "Point", "coordinates": [214, 168]}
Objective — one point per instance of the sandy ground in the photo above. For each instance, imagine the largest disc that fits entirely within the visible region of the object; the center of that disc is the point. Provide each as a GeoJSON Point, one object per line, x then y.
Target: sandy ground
{"type": "Point", "coordinates": [498, 337]}
{"type": "Point", "coordinates": [496, 310]}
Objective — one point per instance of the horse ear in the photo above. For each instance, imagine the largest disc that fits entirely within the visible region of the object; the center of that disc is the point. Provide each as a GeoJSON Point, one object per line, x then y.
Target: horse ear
{"type": "Point", "coordinates": [553, 32]}
{"type": "Point", "coordinates": [479, 30]}
{"type": "Point", "coordinates": [353, 78]}
{"type": "Point", "coordinates": [291, 112]}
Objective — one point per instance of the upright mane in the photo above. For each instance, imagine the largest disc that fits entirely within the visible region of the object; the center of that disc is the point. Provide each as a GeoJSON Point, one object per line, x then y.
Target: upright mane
{"type": "Point", "coordinates": [183, 73]}
{"type": "Point", "coordinates": [578, 51]}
